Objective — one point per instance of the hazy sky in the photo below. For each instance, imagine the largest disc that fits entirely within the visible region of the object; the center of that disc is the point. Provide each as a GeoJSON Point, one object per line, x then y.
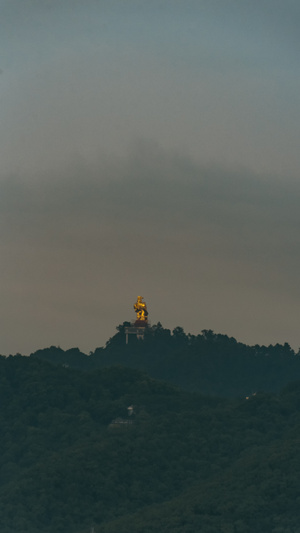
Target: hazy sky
{"type": "Point", "coordinates": [149, 147]}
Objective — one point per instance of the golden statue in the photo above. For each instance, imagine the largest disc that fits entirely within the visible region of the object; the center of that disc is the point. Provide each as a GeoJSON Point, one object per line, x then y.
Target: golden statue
{"type": "Point", "coordinates": [141, 312]}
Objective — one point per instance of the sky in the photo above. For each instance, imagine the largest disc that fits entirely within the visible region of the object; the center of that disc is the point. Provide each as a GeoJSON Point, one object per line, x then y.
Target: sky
{"type": "Point", "coordinates": [149, 147]}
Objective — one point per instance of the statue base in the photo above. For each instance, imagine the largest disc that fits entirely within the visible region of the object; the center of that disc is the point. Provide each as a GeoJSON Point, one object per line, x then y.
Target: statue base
{"type": "Point", "coordinates": [137, 328]}
{"type": "Point", "coordinates": [140, 324]}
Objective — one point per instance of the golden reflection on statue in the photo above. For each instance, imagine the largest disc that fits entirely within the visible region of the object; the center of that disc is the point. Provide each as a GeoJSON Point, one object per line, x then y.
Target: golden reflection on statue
{"type": "Point", "coordinates": [140, 308]}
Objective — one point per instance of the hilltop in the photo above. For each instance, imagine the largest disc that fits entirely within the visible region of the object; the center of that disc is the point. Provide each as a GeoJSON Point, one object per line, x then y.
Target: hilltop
{"type": "Point", "coordinates": [208, 363]}
{"type": "Point", "coordinates": [175, 433]}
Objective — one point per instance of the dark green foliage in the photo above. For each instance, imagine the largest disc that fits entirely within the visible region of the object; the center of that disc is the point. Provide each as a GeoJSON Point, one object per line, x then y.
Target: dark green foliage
{"type": "Point", "coordinates": [187, 463]}
{"type": "Point", "coordinates": [208, 363]}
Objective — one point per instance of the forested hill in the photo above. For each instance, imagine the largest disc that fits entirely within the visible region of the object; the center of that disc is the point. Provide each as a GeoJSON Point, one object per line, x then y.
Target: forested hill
{"type": "Point", "coordinates": [119, 452]}
{"type": "Point", "coordinates": [209, 363]}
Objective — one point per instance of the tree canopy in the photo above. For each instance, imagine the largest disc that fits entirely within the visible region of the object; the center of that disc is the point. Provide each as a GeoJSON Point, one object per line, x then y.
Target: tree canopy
{"type": "Point", "coordinates": [209, 363]}
{"type": "Point", "coordinates": [73, 456]}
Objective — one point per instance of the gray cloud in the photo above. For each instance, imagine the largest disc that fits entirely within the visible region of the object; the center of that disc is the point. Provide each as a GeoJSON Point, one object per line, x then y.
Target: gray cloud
{"type": "Point", "coordinates": [152, 222]}
{"type": "Point", "coordinates": [155, 186]}
{"type": "Point", "coordinates": [203, 221]}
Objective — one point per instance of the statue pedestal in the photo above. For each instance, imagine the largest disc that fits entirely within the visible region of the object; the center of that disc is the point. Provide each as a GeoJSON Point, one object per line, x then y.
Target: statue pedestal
{"type": "Point", "coordinates": [138, 329]}
{"type": "Point", "coordinates": [140, 324]}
